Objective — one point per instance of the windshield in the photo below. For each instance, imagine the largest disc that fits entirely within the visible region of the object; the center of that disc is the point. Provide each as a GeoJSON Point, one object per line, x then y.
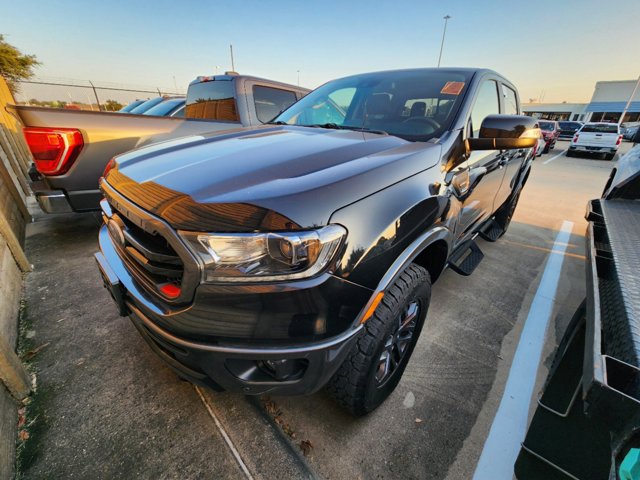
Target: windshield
{"type": "Point", "coordinates": [600, 128]}
{"type": "Point", "coordinates": [131, 106]}
{"type": "Point", "coordinates": [416, 105]}
{"type": "Point", "coordinates": [213, 99]}
{"type": "Point", "coordinates": [147, 105]}
{"type": "Point", "coordinates": [569, 125]}
{"type": "Point", "coordinates": [547, 126]}
{"type": "Point", "coordinates": [165, 107]}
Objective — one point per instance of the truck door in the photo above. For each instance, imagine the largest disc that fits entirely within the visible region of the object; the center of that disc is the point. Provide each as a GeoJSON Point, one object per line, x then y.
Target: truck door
{"type": "Point", "coordinates": [484, 167]}
{"type": "Point", "coordinates": [512, 160]}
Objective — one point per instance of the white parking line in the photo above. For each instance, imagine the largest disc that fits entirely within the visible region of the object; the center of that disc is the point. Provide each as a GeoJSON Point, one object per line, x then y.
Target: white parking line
{"type": "Point", "coordinates": [510, 423]}
{"type": "Point", "coordinates": [554, 157]}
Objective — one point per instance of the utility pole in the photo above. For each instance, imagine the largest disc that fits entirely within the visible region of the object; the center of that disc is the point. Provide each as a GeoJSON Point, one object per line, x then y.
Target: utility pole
{"type": "Point", "coordinates": [298, 77]}
{"type": "Point", "coordinates": [626, 107]}
{"type": "Point", "coordinates": [233, 66]}
{"type": "Point", "coordinates": [444, 32]}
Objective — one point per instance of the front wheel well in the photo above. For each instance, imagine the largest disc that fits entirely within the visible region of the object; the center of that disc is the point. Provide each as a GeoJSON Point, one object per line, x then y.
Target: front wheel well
{"type": "Point", "coordinates": [433, 258]}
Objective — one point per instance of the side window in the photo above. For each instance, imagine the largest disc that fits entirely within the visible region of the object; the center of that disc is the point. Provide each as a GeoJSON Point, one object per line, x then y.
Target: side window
{"type": "Point", "coordinates": [487, 103]}
{"type": "Point", "coordinates": [510, 101]}
{"type": "Point", "coordinates": [271, 101]}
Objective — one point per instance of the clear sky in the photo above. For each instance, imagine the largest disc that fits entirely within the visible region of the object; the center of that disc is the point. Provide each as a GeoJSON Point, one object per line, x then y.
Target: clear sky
{"type": "Point", "coordinates": [556, 47]}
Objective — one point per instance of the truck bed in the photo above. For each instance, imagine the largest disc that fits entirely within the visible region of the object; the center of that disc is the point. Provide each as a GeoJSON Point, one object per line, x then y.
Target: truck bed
{"type": "Point", "coordinates": [105, 135]}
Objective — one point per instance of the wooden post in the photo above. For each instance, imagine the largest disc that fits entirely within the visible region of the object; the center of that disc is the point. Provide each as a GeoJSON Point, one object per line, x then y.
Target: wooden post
{"type": "Point", "coordinates": [12, 373]}
{"type": "Point", "coordinates": [14, 245]}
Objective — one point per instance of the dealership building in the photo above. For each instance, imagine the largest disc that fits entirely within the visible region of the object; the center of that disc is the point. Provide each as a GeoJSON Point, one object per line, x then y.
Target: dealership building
{"type": "Point", "coordinates": [607, 104]}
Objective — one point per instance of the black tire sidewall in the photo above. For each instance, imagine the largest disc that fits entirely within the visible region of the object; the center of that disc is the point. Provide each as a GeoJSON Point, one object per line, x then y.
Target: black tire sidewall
{"type": "Point", "coordinates": [375, 395]}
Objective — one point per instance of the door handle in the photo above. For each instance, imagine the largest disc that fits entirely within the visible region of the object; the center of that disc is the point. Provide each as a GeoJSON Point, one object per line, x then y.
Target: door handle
{"type": "Point", "coordinates": [465, 181]}
{"type": "Point", "coordinates": [475, 175]}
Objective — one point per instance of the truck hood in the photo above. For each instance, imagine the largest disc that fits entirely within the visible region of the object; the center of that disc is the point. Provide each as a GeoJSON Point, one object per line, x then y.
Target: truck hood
{"type": "Point", "coordinates": [289, 177]}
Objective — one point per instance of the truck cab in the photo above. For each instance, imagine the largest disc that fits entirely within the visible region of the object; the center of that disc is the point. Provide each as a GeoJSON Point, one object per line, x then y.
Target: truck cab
{"type": "Point", "coordinates": [239, 98]}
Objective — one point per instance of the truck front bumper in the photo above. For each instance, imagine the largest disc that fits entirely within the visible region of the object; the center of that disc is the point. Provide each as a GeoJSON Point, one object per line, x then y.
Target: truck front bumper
{"type": "Point", "coordinates": [249, 366]}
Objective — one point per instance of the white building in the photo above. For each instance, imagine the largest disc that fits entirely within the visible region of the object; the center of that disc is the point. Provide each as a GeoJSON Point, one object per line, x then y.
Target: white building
{"type": "Point", "coordinates": [609, 100]}
{"type": "Point", "coordinates": [556, 111]}
{"type": "Point", "coordinates": [607, 103]}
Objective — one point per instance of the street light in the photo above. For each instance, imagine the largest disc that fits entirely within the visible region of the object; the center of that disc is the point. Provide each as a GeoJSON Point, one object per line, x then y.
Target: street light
{"type": "Point", "coordinates": [444, 32]}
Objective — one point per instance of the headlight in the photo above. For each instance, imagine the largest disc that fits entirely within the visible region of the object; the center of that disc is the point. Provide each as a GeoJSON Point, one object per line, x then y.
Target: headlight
{"type": "Point", "coordinates": [253, 257]}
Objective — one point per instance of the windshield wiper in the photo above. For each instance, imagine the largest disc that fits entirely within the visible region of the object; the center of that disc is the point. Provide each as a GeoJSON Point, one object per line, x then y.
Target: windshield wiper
{"type": "Point", "coordinates": [279, 122]}
{"type": "Point", "coordinates": [335, 126]}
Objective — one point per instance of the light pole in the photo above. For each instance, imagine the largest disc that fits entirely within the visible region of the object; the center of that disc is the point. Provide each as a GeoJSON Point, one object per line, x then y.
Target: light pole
{"type": "Point", "coordinates": [444, 32]}
{"type": "Point", "coordinates": [298, 77]}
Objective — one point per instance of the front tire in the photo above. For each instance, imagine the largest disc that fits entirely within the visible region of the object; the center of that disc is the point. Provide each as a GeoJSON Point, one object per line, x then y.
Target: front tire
{"type": "Point", "coordinates": [378, 359]}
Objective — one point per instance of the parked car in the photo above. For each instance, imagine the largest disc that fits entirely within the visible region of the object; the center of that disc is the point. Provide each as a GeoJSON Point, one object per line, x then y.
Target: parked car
{"type": "Point", "coordinates": [146, 105]}
{"type": "Point", "coordinates": [550, 134]}
{"type": "Point", "coordinates": [568, 129]}
{"type": "Point", "coordinates": [131, 106]}
{"type": "Point", "coordinates": [600, 138]}
{"type": "Point", "coordinates": [282, 258]}
{"type": "Point", "coordinates": [71, 149]}
{"type": "Point", "coordinates": [168, 108]}
{"type": "Point", "coordinates": [629, 130]}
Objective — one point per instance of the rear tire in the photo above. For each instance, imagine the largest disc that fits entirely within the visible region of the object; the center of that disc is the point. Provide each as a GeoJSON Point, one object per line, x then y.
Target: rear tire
{"type": "Point", "coordinates": [378, 359]}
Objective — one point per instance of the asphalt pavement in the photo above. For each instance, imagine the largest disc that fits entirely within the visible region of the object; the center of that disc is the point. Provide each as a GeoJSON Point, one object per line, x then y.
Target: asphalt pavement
{"type": "Point", "coordinates": [106, 407]}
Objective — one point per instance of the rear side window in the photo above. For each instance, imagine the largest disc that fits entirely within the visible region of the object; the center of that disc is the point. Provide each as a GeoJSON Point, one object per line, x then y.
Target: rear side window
{"type": "Point", "coordinates": [270, 102]}
{"type": "Point", "coordinates": [510, 101]}
{"type": "Point", "coordinates": [486, 104]}
{"type": "Point", "coordinates": [213, 100]}
{"type": "Point", "coordinates": [600, 128]}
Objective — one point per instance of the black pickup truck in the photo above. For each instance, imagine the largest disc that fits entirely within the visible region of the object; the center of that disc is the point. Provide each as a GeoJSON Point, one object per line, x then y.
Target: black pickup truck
{"type": "Point", "coordinates": [301, 253]}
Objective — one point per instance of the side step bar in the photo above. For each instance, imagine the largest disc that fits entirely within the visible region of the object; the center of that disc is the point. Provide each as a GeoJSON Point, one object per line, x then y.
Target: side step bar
{"type": "Point", "coordinates": [491, 231]}
{"type": "Point", "coordinates": [465, 260]}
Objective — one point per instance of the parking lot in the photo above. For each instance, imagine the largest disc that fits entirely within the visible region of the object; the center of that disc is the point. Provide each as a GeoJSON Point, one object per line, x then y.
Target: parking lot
{"type": "Point", "coordinates": [107, 407]}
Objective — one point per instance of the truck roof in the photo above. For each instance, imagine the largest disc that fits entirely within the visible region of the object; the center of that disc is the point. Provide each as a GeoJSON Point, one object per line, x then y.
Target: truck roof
{"type": "Point", "coordinates": [231, 76]}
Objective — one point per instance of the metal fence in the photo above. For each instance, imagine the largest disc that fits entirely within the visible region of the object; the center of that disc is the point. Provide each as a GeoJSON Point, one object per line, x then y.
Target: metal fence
{"type": "Point", "coordinates": [85, 94]}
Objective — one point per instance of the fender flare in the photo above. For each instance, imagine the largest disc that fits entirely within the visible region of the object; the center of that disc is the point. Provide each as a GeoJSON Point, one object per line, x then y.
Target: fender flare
{"type": "Point", "coordinates": [405, 258]}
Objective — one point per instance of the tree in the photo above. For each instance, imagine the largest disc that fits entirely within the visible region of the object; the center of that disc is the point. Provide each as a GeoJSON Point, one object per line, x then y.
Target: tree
{"type": "Point", "coordinates": [112, 106]}
{"type": "Point", "coordinates": [14, 65]}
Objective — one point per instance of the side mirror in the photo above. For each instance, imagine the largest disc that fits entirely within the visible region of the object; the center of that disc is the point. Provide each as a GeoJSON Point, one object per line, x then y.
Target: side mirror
{"type": "Point", "coordinates": [505, 132]}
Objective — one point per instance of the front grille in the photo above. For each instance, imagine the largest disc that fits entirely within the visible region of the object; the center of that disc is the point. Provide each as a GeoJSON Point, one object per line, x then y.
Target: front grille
{"type": "Point", "coordinates": [148, 256]}
{"type": "Point", "coordinates": [150, 249]}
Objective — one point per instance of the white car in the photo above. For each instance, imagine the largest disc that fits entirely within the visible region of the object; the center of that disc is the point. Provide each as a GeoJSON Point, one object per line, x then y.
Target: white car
{"type": "Point", "coordinates": [602, 138]}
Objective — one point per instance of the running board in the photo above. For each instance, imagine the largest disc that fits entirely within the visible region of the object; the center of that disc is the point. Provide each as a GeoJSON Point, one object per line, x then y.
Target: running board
{"type": "Point", "coordinates": [466, 259]}
{"type": "Point", "coordinates": [491, 231]}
